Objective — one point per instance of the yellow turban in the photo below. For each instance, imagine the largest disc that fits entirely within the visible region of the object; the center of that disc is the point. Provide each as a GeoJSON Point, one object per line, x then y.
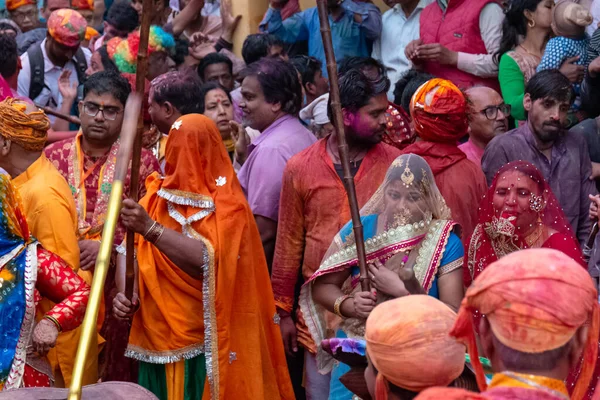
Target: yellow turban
{"type": "Point", "coordinates": [28, 130]}
{"type": "Point", "coordinates": [408, 342]}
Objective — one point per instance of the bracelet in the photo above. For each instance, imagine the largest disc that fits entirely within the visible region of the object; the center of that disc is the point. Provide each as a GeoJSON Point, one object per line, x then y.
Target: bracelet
{"type": "Point", "coordinates": [338, 304]}
{"type": "Point", "coordinates": [54, 321]}
{"type": "Point", "coordinates": [154, 233]}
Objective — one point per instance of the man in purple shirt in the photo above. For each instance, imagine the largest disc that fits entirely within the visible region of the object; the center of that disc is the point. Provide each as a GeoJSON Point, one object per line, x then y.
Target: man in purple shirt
{"type": "Point", "coordinates": [271, 101]}
{"type": "Point", "coordinates": [562, 157]}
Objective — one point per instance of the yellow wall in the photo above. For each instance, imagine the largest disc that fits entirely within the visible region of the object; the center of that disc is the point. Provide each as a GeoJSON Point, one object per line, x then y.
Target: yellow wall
{"type": "Point", "coordinates": [252, 12]}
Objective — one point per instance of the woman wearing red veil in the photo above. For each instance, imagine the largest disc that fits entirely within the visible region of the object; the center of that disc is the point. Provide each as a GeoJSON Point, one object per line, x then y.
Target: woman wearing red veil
{"type": "Point", "coordinates": [518, 212]}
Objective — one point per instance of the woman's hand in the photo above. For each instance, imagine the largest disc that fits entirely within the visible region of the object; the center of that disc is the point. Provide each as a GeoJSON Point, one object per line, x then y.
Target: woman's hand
{"type": "Point", "coordinates": [572, 71]}
{"type": "Point", "coordinates": [123, 308]}
{"type": "Point", "coordinates": [44, 336]}
{"type": "Point", "coordinates": [67, 89]}
{"type": "Point", "coordinates": [134, 217]}
{"type": "Point", "coordinates": [385, 280]}
{"type": "Point", "coordinates": [364, 303]}
{"type": "Point", "coordinates": [289, 335]}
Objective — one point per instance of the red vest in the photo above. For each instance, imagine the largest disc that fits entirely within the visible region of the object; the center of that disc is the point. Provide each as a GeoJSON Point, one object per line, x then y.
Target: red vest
{"type": "Point", "coordinates": [458, 30]}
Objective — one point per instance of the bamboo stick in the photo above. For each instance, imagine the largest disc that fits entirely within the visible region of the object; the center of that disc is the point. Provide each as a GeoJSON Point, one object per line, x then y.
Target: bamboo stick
{"type": "Point", "coordinates": [132, 110]}
{"type": "Point", "coordinates": [50, 111]}
{"type": "Point", "coordinates": [140, 81]}
{"type": "Point", "coordinates": [334, 96]}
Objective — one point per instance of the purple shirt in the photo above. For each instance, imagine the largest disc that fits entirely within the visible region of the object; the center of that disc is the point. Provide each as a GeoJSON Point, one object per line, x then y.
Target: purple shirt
{"type": "Point", "coordinates": [262, 172]}
{"type": "Point", "coordinates": [567, 172]}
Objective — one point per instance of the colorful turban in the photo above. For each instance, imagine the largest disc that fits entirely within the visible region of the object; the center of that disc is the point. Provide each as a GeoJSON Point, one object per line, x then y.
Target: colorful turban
{"type": "Point", "coordinates": [408, 343]}
{"type": "Point", "coordinates": [67, 27]}
{"type": "Point", "coordinates": [111, 47]}
{"type": "Point", "coordinates": [125, 56]}
{"type": "Point", "coordinates": [12, 5]}
{"type": "Point", "coordinates": [29, 130]}
{"type": "Point", "coordinates": [82, 4]}
{"type": "Point", "coordinates": [535, 300]}
{"type": "Point", "coordinates": [439, 112]}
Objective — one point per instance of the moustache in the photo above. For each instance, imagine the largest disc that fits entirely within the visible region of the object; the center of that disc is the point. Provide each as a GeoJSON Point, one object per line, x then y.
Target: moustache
{"type": "Point", "coordinates": [556, 124]}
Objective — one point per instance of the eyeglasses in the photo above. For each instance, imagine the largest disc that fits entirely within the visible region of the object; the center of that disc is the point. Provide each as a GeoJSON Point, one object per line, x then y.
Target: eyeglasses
{"type": "Point", "coordinates": [491, 112]}
{"type": "Point", "coordinates": [110, 113]}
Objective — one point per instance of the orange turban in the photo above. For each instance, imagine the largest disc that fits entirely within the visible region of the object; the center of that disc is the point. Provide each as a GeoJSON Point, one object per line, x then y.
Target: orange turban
{"type": "Point", "coordinates": [535, 300]}
{"type": "Point", "coordinates": [83, 4]}
{"type": "Point", "coordinates": [12, 5]}
{"type": "Point", "coordinates": [439, 112]}
{"type": "Point", "coordinates": [408, 343]}
{"type": "Point", "coordinates": [29, 130]}
{"type": "Point", "coordinates": [67, 27]}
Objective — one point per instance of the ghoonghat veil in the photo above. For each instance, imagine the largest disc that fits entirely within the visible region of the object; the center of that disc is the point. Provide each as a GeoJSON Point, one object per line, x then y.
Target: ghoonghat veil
{"type": "Point", "coordinates": [406, 213]}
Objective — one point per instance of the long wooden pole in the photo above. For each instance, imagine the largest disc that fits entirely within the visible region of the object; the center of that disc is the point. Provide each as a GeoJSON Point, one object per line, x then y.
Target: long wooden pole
{"type": "Point", "coordinates": [140, 82]}
{"type": "Point", "coordinates": [132, 111]}
{"type": "Point", "coordinates": [50, 111]}
{"type": "Point", "coordinates": [334, 97]}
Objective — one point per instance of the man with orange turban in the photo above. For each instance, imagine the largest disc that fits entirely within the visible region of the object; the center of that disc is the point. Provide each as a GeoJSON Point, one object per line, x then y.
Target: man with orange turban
{"type": "Point", "coordinates": [542, 315]}
{"type": "Point", "coordinates": [25, 13]}
{"type": "Point", "coordinates": [49, 208]}
{"type": "Point", "coordinates": [409, 349]}
{"type": "Point", "coordinates": [439, 112]}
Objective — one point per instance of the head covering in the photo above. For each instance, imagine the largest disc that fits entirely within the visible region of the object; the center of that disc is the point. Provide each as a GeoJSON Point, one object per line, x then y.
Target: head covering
{"type": "Point", "coordinates": [570, 19]}
{"type": "Point", "coordinates": [126, 52]}
{"type": "Point", "coordinates": [535, 300]}
{"type": "Point", "coordinates": [201, 197]}
{"type": "Point", "coordinates": [82, 4]}
{"type": "Point", "coordinates": [496, 235]}
{"type": "Point", "coordinates": [388, 230]}
{"type": "Point", "coordinates": [14, 236]}
{"type": "Point", "coordinates": [28, 130]}
{"type": "Point", "coordinates": [111, 47]}
{"type": "Point", "coordinates": [12, 5]}
{"type": "Point", "coordinates": [398, 132]}
{"type": "Point", "coordinates": [67, 27]}
{"type": "Point", "coordinates": [90, 33]}
{"type": "Point", "coordinates": [408, 343]}
{"type": "Point", "coordinates": [316, 111]}
{"type": "Point", "coordinates": [439, 112]}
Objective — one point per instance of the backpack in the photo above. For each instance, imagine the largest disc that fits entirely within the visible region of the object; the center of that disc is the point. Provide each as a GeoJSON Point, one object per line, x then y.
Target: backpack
{"type": "Point", "coordinates": [36, 63]}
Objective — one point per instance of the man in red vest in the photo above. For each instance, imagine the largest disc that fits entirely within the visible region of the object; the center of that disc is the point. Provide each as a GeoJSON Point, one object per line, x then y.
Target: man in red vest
{"type": "Point", "coordinates": [458, 41]}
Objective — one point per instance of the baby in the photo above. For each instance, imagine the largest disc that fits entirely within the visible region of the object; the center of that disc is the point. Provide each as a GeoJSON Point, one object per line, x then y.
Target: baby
{"type": "Point", "coordinates": [569, 21]}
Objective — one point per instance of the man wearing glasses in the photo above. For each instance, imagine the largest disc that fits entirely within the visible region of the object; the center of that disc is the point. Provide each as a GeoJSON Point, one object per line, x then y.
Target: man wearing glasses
{"type": "Point", "coordinates": [87, 162]}
{"type": "Point", "coordinates": [488, 117]}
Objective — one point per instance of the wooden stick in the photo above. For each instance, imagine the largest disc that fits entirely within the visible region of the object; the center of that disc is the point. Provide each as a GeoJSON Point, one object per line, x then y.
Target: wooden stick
{"type": "Point", "coordinates": [132, 110]}
{"type": "Point", "coordinates": [70, 118]}
{"type": "Point", "coordinates": [334, 97]}
{"type": "Point", "coordinates": [140, 81]}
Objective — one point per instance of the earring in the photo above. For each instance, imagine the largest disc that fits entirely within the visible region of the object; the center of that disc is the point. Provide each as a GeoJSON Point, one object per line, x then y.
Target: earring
{"type": "Point", "coordinates": [531, 23]}
{"type": "Point", "coordinates": [536, 203]}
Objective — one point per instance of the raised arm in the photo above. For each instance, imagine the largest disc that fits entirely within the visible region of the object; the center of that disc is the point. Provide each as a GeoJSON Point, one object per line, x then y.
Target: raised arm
{"type": "Point", "coordinates": [368, 16]}
{"type": "Point", "coordinates": [291, 30]}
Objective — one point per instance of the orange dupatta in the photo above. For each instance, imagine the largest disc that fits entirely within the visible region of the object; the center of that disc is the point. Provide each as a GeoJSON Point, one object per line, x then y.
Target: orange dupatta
{"type": "Point", "coordinates": [229, 315]}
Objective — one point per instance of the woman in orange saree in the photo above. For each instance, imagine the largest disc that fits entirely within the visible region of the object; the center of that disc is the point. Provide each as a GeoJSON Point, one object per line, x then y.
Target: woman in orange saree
{"type": "Point", "coordinates": [206, 327]}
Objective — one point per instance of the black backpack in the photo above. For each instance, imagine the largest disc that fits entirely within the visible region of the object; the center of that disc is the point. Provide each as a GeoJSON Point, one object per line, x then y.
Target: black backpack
{"type": "Point", "coordinates": [36, 63]}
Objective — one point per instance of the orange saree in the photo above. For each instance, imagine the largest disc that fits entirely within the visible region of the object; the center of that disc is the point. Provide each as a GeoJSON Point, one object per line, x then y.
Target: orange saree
{"type": "Point", "coordinates": [228, 317]}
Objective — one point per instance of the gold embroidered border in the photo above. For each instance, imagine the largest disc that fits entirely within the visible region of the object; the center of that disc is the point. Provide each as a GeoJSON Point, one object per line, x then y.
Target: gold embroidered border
{"type": "Point", "coordinates": [186, 198]}
{"type": "Point", "coordinates": [451, 266]}
{"type": "Point", "coordinates": [164, 357]}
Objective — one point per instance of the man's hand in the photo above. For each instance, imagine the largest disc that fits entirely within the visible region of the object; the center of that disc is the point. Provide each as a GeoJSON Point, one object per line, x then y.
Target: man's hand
{"type": "Point", "coordinates": [411, 50]}
{"type": "Point", "coordinates": [67, 89]}
{"type": "Point", "coordinates": [229, 22]}
{"type": "Point", "coordinates": [278, 4]}
{"type": "Point", "coordinates": [289, 335]}
{"type": "Point", "coordinates": [572, 71]}
{"type": "Point", "coordinates": [438, 53]}
{"type": "Point", "coordinates": [88, 252]}
{"type": "Point", "coordinates": [200, 46]}
{"type": "Point", "coordinates": [594, 67]}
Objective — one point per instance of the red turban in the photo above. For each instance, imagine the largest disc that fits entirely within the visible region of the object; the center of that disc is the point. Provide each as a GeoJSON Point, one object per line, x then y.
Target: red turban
{"type": "Point", "coordinates": [439, 112]}
{"type": "Point", "coordinates": [535, 300]}
{"type": "Point", "coordinates": [67, 27]}
{"type": "Point", "coordinates": [12, 5]}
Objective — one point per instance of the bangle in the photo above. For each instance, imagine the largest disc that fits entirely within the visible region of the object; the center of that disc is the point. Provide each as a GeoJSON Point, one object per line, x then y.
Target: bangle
{"type": "Point", "coordinates": [54, 321]}
{"type": "Point", "coordinates": [338, 304]}
{"type": "Point", "coordinates": [154, 233]}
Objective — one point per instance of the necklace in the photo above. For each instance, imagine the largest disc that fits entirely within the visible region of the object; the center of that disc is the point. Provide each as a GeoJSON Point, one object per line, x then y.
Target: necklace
{"type": "Point", "coordinates": [534, 236]}
{"type": "Point", "coordinates": [530, 53]}
{"type": "Point", "coordinates": [336, 158]}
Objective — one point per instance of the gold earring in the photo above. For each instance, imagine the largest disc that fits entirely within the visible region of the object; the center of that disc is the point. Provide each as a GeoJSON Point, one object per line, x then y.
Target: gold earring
{"type": "Point", "coordinates": [531, 23]}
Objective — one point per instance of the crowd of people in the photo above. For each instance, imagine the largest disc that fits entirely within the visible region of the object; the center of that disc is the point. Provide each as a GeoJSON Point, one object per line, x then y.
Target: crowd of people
{"type": "Point", "coordinates": [472, 130]}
